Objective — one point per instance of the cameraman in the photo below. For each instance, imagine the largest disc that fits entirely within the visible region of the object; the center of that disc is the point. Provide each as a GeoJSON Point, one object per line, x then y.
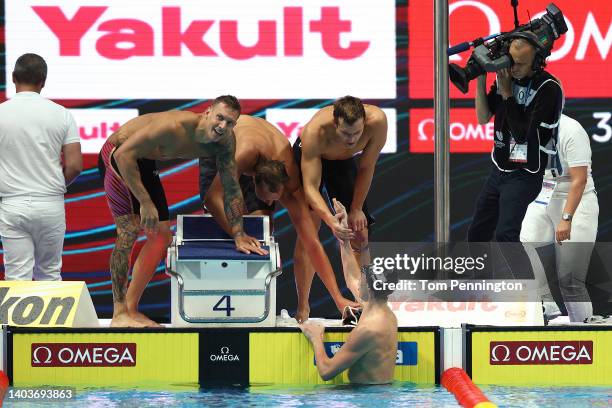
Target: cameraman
{"type": "Point", "coordinates": [526, 102]}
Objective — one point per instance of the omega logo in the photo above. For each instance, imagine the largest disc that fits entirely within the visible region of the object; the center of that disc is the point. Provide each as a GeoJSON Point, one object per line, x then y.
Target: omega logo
{"type": "Point", "coordinates": [224, 355]}
{"type": "Point", "coordinates": [494, 354]}
{"type": "Point", "coordinates": [36, 353]}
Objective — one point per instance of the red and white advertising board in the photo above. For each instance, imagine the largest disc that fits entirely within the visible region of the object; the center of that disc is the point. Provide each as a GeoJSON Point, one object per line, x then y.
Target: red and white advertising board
{"type": "Point", "coordinates": [466, 135]}
{"type": "Point", "coordinates": [266, 49]}
{"type": "Point", "coordinates": [96, 125]}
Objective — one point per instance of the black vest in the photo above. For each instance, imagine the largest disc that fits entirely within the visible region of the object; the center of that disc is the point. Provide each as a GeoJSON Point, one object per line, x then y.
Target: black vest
{"type": "Point", "coordinates": [531, 116]}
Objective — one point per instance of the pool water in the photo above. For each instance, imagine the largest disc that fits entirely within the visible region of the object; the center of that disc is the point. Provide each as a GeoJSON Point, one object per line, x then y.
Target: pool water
{"type": "Point", "coordinates": [387, 396]}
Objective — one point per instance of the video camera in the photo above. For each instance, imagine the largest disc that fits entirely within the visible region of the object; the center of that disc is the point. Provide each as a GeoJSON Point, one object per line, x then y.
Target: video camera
{"type": "Point", "coordinates": [493, 55]}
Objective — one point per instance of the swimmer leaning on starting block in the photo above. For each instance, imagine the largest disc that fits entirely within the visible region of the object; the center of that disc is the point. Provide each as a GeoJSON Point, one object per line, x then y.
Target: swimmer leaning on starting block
{"type": "Point", "coordinates": [370, 350]}
{"type": "Point", "coordinates": [268, 172]}
{"type": "Point", "coordinates": [136, 197]}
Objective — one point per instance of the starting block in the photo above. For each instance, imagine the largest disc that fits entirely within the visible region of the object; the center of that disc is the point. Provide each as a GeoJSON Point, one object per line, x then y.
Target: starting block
{"type": "Point", "coordinates": [214, 285]}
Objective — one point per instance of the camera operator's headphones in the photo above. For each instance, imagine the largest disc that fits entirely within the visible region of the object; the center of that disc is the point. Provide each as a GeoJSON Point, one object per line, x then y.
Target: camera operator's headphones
{"type": "Point", "coordinates": [542, 52]}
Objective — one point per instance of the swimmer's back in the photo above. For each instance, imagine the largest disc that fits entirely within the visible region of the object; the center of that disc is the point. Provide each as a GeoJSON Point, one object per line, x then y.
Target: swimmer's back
{"type": "Point", "coordinates": [378, 364]}
{"type": "Point", "coordinates": [139, 122]}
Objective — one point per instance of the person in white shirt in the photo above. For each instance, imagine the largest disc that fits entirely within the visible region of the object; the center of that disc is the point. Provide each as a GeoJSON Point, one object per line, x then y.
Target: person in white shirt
{"type": "Point", "coordinates": [40, 155]}
{"type": "Point", "coordinates": [570, 220]}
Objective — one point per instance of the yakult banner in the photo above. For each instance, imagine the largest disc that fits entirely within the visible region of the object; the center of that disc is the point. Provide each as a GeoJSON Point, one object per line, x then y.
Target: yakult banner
{"type": "Point", "coordinates": [466, 134]}
{"type": "Point", "coordinates": [266, 49]}
{"type": "Point", "coordinates": [291, 122]}
{"type": "Point", "coordinates": [96, 125]}
{"type": "Point", "coordinates": [580, 58]}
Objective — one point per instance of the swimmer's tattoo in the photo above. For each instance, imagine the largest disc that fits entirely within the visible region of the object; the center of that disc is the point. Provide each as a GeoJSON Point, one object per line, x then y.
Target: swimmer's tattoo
{"type": "Point", "coordinates": [127, 232]}
{"type": "Point", "coordinates": [208, 170]}
{"type": "Point", "coordinates": [232, 198]}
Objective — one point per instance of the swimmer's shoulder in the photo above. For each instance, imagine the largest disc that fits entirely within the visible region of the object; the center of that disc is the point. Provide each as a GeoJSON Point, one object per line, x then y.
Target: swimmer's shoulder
{"type": "Point", "coordinates": [320, 120]}
{"type": "Point", "coordinates": [256, 130]}
{"type": "Point", "coordinates": [246, 120]}
{"type": "Point", "coordinates": [376, 127]}
{"type": "Point", "coordinates": [364, 332]}
{"type": "Point", "coordinates": [176, 123]}
{"type": "Point", "coordinates": [184, 118]}
{"type": "Point", "coordinates": [374, 112]}
{"type": "Point", "coordinates": [316, 135]}
{"type": "Point", "coordinates": [384, 321]}
{"type": "Point", "coordinates": [375, 116]}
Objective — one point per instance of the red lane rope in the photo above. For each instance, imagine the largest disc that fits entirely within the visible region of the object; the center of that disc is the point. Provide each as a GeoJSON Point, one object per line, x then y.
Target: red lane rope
{"type": "Point", "coordinates": [4, 384]}
{"type": "Point", "coordinates": [458, 383]}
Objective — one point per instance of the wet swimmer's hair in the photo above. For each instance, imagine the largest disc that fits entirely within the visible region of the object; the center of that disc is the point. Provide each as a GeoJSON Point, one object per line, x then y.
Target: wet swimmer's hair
{"type": "Point", "coordinates": [272, 173]}
{"type": "Point", "coordinates": [230, 101]}
{"type": "Point", "coordinates": [350, 109]}
{"type": "Point", "coordinates": [379, 290]}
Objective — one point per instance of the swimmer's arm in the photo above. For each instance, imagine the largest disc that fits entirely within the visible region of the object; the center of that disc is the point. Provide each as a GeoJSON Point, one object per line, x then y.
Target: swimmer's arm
{"type": "Point", "coordinates": [233, 202]}
{"type": "Point", "coordinates": [358, 343]}
{"type": "Point", "coordinates": [351, 269]}
{"type": "Point", "coordinates": [214, 198]}
{"type": "Point", "coordinates": [72, 161]}
{"type": "Point", "coordinates": [139, 145]}
{"type": "Point", "coordinates": [311, 178]}
{"type": "Point", "coordinates": [367, 161]}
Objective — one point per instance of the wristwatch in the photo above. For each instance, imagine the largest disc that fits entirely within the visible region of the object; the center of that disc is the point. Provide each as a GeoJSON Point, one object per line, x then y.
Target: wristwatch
{"type": "Point", "coordinates": [566, 217]}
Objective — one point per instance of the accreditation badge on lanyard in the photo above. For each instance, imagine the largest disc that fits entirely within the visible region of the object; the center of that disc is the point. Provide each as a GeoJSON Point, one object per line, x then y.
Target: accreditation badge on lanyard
{"type": "Point", "coordinates": [518, 151]}
{"type": "Point", "coordinates": [548, 188]}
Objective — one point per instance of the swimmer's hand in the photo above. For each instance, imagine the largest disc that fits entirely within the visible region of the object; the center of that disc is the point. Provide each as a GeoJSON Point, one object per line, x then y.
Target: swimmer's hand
{"type": "Point", "coordinates": [340, 212]}
{"type": "Point", "coordinates": [357, 220]}
{"type": "Point", "coordinates": [247, 244]}
{"type": "Point", "coordinates": [312, 330]}
{"type": "Point", "coordinates": [340, 228]}
{"type": "Point", "coordinates": [341, 233]}
{"type": "Point", "coordinates": [149, 219]}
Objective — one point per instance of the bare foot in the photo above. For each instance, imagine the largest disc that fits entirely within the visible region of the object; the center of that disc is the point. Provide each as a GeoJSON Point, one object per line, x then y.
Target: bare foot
{"type": "Point", "coordinates": [144, 320]}
{"type": "Point", "coordinates": [302, 313]}
{"type": "Point", "coordinates": [124, 320]}
{"type": "Point", "coordinates": [343, 302]}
